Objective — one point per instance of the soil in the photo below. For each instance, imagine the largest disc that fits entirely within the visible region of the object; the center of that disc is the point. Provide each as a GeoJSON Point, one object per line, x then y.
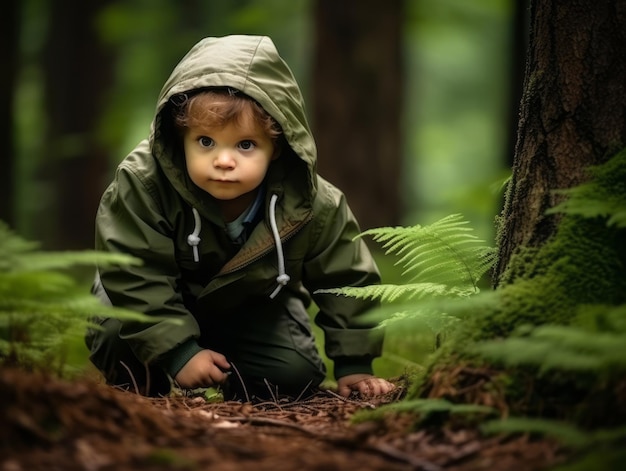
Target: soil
{"type": "Point", "coordinates": [51, 424]}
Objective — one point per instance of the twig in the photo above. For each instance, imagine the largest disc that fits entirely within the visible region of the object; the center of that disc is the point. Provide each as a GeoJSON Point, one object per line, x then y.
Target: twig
{"type": "Point", "coordinates": [269, 387]}
{"type": "Point", "coordinates": [132, 377]}
{"type": "Point", "coordinates": [306, 388]}
{"type": "Point", "coordinates": [145, 365]}
{"type": "Point", "coordinates": [245, 391]}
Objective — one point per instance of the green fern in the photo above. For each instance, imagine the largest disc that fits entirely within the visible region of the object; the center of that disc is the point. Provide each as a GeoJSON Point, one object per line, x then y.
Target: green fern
{"type": "Point", "coordinates": [565, 432]}
{"type": "Point", "coordinates": [440, 261]}
{"type": "Point", "coordinates": [403, 293]}
{"type": "Point", "coordinates": [425, 408]}
{"type": "Point", "coordinates": [613, 210]}
{"type": "Point", "coordinates": [601, 197]}
{"type": "Point", "coordinates": [600, 449]}
{"type": "Point", "coordinates": [566, 347]}
{"type": "Point", "coordinates": [581, 267]}
{"type": "Point", "coordinates": [445, 252]}
{"type": "Point", "coordinates": [557, 323]}
{"type": "Point", "coordinates": [42, 307]}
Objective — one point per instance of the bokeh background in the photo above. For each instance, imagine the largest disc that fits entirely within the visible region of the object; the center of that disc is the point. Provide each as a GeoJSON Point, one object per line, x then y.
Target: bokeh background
{"type": "Point", "coordinates": [414, 103]}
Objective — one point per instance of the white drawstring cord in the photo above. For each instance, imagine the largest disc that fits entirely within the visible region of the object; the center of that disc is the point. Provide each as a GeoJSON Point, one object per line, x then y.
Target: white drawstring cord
{"type": "Point", "coordinates": [282, 279]}
{"type": "Point", "coordinates": [193, 239]}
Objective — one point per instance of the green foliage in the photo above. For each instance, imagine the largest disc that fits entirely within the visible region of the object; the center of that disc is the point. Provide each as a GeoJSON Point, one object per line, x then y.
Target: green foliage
{"type": "Point", "coordinates": [576, 278]}
{"type": "Point", "coordinates": [567, 348]}
{"type": "Point", "coordinates": [561, 319]}
{"type": "Point", "coordinates": [442, 263]}
{"type": "Point", "coordinates": [580, 270]}
{"type": "Point", "coordinates": [605, 458]}
{"type": "Point", "coordinates": [562, 431]}
{"type": "Point", "coordinates": [41, 306]}
{"type": "Point", "coordinates": [444, 252]}
{"type": "Point", "coordinates": [441, 260]}
{"type": "Point", "coordinates": [599, 449]}
{"type": "Point", "coordinates": [558, 326]}
{"type": "Point", "coordinates": [601, 198]}
{"type": "Point", "coordinates": [426, 409]}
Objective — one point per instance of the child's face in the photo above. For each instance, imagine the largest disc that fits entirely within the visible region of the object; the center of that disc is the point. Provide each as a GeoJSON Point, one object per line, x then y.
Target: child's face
{"type": "Point", "coordinates": [229, 162]}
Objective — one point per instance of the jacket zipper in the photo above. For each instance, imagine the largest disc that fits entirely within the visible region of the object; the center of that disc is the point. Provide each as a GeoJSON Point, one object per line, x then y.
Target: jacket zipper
{"type": "Point", "coordinates": [261, 254]}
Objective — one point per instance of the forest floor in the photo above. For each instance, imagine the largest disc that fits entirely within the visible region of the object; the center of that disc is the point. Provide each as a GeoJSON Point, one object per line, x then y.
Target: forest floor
{"type": "Point", "coordinates": [51, 424]}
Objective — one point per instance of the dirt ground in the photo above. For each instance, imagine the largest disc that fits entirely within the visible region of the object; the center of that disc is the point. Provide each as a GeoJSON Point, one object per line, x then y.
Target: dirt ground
{"type": "Point", "coordinates": [48, 424]}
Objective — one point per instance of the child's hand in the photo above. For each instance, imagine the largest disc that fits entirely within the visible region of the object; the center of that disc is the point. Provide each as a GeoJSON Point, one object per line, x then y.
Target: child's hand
{"type": "Point", "coordinates": [204, 369]}
{"type": "Point", "coordinates": [366, 385]}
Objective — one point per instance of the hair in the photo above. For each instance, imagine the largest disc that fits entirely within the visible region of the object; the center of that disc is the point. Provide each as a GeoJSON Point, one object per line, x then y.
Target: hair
{"type": "Point", "coordinates": [218, 107]}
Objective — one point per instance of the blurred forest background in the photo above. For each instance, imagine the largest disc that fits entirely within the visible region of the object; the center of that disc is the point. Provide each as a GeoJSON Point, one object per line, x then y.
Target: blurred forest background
{"type": "Point", "coordinates": [413, 103]}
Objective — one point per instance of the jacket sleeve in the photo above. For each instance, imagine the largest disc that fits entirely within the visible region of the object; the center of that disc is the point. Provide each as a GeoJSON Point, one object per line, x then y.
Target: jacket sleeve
{"type": "Point", "coordinates": [337, 260]}
{"type": "Point", "coordinates": [130, 221]}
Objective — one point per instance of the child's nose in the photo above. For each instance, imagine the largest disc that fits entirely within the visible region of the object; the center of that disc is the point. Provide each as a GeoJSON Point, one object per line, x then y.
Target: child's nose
{"type": "Point", "coordinates": [224, 159]}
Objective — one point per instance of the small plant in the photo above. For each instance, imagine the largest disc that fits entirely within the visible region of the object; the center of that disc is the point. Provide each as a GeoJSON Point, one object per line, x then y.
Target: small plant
{"type": "Point", "coordinates": [554, 332]}
{"type": "Point", "coordinates": [444, 260]}
{"type": "Point", "coordinates": [426, 410]}
{"type": "Point", "coordinates": [43, 309]}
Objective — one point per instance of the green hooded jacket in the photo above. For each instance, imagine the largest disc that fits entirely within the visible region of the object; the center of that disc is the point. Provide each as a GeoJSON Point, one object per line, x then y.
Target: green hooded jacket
{"type": "Point", "coordinates": [190, 267]}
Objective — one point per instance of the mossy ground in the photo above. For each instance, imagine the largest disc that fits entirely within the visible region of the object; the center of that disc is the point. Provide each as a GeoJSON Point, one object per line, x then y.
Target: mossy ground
{"type": "Point", "coordinates": [577, 279]}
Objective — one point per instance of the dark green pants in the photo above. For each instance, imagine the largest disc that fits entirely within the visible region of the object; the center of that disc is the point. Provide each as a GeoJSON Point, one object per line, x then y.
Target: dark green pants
{"type": "Point", "coordinates": [270, 346]}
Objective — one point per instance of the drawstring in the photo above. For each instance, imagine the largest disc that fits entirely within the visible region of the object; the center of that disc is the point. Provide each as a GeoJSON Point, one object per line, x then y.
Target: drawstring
{"type": "Point", "coordinates": [282, 279]}
{"type": "Point", "coordinates": [193, 239]}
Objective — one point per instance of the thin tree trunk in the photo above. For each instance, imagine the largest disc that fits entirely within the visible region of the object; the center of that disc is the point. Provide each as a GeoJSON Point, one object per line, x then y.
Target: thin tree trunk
{"type": "Point", "coordinates": [573, 113]}
{"type": "Point", "coordinates": [9, 49]}
{"type": "Point", "coordinates": [78, 75]}
{"type": "Point", "coordinates": [357, 95]}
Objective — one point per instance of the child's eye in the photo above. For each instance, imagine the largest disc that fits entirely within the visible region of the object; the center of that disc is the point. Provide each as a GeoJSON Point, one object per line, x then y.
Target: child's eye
{"type": "Point", "coordinates": [246, 145]}
{"type": "Point", "coordinates": [205, 141]}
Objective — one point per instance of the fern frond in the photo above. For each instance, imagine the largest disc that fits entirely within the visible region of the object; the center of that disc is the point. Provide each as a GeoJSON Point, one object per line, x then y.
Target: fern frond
{"type": "Point", "coordinates": [557, 347]}
{"type": "Point", "coordinates": [428, 406]}
{"type": "Point", "coordinates": [564, 432]}
{"type": "Point", "coordinates": [435, 321]}
{"type": "Point", "coordinates": [603, 196]}
{"type": "Point", "coordinates": [443, 252]}
{"type": "Point", "coordinates": [20, 256]}
{"type": "Point", "coordinates": [42, 261]}
{"type": "Point", "coordinates": [425, 408]}
{"type": "Point", "coordinates": [33, 285]}
{"type": "Point", "coordinates": [386, 293]}
{"type": "Point", "coordinates": [41, 307]}
{"type": "Point", "coordinates": [612, 209]}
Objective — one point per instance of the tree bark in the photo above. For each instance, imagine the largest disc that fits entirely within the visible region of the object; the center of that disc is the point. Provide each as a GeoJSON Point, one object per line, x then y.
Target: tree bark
{"type": "Point", "coordinates": [9, 49]}
{"type": "Point", "coordinates": [519, 50]}
{"type": "Point", "coordinates": [78, 72]}
{"type": "Point", "coordinates": [357, 97]}
{"type": "Point", "coordinates": [572, 115]}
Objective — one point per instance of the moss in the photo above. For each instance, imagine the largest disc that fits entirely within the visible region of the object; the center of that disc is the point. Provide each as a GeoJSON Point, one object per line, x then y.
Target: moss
{"type": "Point", "coordinates": [572, 279]}
{"type": "Point", "coordinates": [584, 263]}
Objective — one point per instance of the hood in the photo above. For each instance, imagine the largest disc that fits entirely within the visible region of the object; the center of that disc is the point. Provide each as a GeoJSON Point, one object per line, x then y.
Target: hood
{"type": "Point", "coordinates": [252, 65]}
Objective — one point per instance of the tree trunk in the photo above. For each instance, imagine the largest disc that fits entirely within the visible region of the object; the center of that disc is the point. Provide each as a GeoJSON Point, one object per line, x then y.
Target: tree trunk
{"type": "Point", "coordinates": [357, 94]}
{"type": "Point", "coordinates": [9, 48]}
{"type": "Point", "coordinates": [519, 51]}
{"type": "Point", "coordinates": [78, 74]}
{"type": "Point", "coordinates": [573, 113]}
